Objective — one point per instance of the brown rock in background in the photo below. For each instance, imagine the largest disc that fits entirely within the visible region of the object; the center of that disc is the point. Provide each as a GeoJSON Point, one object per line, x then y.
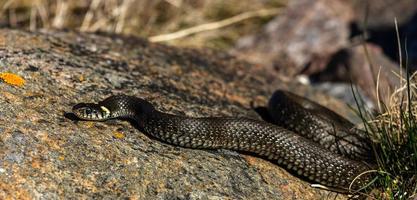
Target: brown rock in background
{"type": "Point", "coordinates": [381, 13]}
{"type": "Point", "coordinates": [312, 38]}
{"type": "Point", "coordinates": [361, 67]}
{"type": "Point", "coordinates": [308, 32]}
{"type": "Point", "coordinates": [376, 20]}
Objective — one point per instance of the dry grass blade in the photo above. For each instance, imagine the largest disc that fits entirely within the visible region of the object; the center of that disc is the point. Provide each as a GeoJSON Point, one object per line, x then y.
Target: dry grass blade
{"type": "Point", "coordinates": [122, 16]}
{"type": "Point", "coordinates": [90, 14]}
{"type": "Point", "coordinates": [61, 14]}
{"type": "Point", "coordinates": [214, 25]}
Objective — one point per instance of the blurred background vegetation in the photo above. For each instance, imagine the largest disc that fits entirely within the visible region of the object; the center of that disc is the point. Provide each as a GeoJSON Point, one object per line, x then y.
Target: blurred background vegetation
{"type": "Point", "coordinates": [142, 17]}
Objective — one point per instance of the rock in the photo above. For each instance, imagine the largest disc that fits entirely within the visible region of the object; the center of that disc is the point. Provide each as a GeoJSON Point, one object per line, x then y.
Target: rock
{"type": "Point", "coordinates": [307, 33]}
{"type": "Point", "coordinates": [44, 155]}
{"type": "Point", "coordinates": [381, 14]}
{"type": "Point", "coordinates": [343, 91]}
{"type": "Point", "coordinates": [352, 65]}
{"type": "Point", "coordinates": [385, 36]}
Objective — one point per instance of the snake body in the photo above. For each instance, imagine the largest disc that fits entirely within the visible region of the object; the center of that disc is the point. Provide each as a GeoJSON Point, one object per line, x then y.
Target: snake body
{"type": "Point", "coordinates": [336, 164]}
{"type": "Point", "coordinates": [320, 124]}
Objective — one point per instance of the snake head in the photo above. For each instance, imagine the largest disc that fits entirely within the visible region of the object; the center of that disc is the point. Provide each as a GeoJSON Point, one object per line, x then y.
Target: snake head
{"type": "Point", "coordinates": [91, 112]}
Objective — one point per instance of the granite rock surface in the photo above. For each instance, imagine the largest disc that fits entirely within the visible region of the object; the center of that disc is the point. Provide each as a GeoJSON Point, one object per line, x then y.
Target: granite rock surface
{"type": "Point", "coordinates": [44, 155]}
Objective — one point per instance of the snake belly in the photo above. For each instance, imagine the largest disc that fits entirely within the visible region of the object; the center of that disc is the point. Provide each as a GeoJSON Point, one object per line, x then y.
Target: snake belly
{"type": "Point", "coordinates": [292, 151]}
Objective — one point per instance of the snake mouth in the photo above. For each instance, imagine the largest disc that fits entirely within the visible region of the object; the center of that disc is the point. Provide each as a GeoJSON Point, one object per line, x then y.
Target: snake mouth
{"type": "Point", "coordinates": [91, 112]}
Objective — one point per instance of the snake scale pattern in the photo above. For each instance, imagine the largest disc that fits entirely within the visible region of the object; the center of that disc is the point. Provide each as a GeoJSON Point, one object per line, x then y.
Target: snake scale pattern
{"type": "Point", "coordinates": [309, 140]}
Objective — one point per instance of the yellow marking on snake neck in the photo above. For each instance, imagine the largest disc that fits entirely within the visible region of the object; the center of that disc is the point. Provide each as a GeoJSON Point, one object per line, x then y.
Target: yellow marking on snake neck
{"type": "Point", "coordinates": [106, 110]}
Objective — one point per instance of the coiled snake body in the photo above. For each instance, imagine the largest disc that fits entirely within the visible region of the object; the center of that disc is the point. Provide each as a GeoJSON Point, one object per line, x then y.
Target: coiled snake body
{"type": "Point", "coordinates": [316, 143]}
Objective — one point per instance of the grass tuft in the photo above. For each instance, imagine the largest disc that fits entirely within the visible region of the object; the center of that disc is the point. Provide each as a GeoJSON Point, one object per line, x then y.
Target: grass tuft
{"type": "Point", "coordinates": [395, 135]}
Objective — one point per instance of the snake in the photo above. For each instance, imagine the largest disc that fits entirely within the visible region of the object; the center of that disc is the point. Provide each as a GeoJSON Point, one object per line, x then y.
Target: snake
{"type": "Point", "coordinates": [305, 138]}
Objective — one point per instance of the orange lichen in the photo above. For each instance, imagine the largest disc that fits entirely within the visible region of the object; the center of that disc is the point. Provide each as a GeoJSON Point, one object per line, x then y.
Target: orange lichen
{"type": "Point", "coordinates": [81, 78]}
{"type": "Point", "coordinates": [36, 164]}
{"type": "Point", "coordinates": [12, 79]}
{"type": "Point", "coordinates": [118, 135]}
{"type": "Point", "coordinates": [61, 158]}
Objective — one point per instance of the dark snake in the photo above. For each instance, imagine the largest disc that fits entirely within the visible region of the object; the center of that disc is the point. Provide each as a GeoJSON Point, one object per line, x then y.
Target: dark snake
{"type": "Point", "coordinates": [307, 139]}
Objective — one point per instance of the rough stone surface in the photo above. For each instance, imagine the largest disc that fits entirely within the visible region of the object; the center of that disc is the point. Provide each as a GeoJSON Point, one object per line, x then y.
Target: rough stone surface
{"type": "Point", "coordinates": [44, 155]}
{"type": "Point", "coordinates": [306, 33]}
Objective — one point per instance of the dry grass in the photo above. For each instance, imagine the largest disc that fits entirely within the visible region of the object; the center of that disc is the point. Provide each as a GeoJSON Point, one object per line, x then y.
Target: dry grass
{"type": "Point", "coordinates": [144, 18]}
{"type": "Point", "coordinates": [399, 102]}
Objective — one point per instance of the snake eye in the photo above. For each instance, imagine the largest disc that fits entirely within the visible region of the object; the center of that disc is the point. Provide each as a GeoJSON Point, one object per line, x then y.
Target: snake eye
{"type": "Point", "coordinates": [88, 111]}
{"type": "Point", "coordinates": [92, 113]}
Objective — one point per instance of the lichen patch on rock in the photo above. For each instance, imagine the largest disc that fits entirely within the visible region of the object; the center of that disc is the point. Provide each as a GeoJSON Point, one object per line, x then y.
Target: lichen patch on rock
{"type": "Point", "coordinates": [12, 79]}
